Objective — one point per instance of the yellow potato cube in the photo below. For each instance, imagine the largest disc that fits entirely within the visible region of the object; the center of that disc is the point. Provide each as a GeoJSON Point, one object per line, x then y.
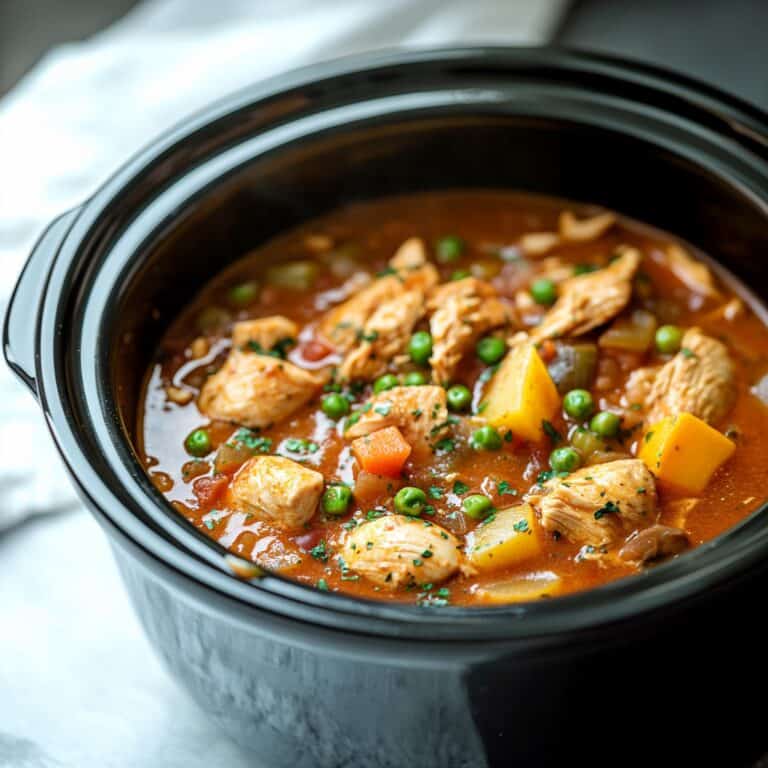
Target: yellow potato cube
{"type": "Point", "coordinates": [522, 395]}
{"type": "Point", "coordinates": [508, 538]}
{"type": "Point", "coordinates": [521, 589]}
{"type": "Point", "coordinates": [683, 452]}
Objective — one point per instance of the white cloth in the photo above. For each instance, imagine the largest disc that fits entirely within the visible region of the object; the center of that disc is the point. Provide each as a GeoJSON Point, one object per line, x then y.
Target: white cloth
{"type": "Point", "coordinates": [88, 106]}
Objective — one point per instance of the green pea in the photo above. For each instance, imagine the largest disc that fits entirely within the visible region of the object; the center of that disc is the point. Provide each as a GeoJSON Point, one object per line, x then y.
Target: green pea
{"type": "Point", "coordinates": [420, 347]}
{"type": "Point", "coordinates": [410, 501]}
{"type": "Point", "coordinates": [414, 379]}
{"type": "Point", "coordinates": [477, 506]}
{"type": "Point", "coordinates": [564, 459]}
{"type": "Point", "coordinates": [605, 424]}
{"type": "Point", "coordinates": [385, 382]}
{"type": "Point", "coordinates": [198, 443]}
{"type": "Point", "coordinates": [668, 339]}
{"type": "Point", "coordinates": [335, 406]}
{"type": "Point", "coordinates": [578, 404]}
{"type": "Point", "coordinates": [491, 349]}
{"type": "Point", "coordinates": [485, 439]}
{"type": "Point", "coordinates": [244, 293]}
{"type": "Point", "coordinates": [336, 499]}
{"type": "Point", "coordinates": [586, 442]}
{"type": "Point", "coordinates": [460, 274]}
{"type": "Point", "coordinates": [459, 397]}
{"type": "Point", "coordinates": [449, 248]}
{"type": "Point", "coordinates": [544, 291]}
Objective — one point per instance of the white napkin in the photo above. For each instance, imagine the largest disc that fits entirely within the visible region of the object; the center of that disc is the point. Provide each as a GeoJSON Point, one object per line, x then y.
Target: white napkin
{"type": "Point", "coordinates": [89, 106]}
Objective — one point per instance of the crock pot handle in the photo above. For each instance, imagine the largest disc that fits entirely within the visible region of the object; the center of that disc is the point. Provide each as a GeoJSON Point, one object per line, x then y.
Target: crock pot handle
{"type": "Point", "coordinates": [20, 326]}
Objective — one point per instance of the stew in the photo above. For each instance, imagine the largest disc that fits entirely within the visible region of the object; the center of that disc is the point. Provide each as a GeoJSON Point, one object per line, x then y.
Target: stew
{"type": "Point", "coordinates": [462, 398]}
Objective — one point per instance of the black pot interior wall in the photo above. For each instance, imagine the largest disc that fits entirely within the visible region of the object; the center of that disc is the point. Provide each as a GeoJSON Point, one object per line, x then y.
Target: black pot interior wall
{"type": "Point", "coordinates": [257, 200]}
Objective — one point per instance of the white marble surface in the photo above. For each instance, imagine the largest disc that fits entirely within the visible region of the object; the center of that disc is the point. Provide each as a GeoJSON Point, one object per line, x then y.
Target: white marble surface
{"type": "Point", "coordinates": [79, 685]}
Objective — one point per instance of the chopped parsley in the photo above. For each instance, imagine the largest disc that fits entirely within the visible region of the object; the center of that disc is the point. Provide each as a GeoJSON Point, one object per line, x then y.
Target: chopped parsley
{"type": "Point", "coordinates": [446, 445]}
{"type": "Point", "coordinates": [609, 508]}
{"type": "Point", "coordinates": [435, 492]}
{"type": "Point", "coordinates": [685, 352]}
{"type": "Point", "coordinates": [383, 409]}
{"type": "Point", "coordinates": [320, 552]}
{"type": "Point", "coordinates": [322, 585]}
{"type": "Point", "coordinates": [521, 526]}
{"type": "Point", "coordinates": [505, 489]}
{"type": "Point", "coordinates": [460, 488]}
{"type": "Point", "coordinates": [300, 445]}
{"type": "Point", "coordinates": [251, 441]}
{"type": "Point", "coordinates": [550, 431]}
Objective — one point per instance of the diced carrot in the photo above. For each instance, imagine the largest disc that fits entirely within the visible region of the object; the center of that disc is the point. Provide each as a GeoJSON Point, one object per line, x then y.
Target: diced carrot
{"type": "Point", "coordinates": [383, 452]}
{"type": "Point", "coordinates": [209, 489]}
{"type": "Point", "coordinates": [548, 350]}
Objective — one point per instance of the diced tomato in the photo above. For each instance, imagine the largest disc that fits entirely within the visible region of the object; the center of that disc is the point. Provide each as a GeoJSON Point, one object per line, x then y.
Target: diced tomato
{"type": "Point", "coordinates": [383, 452]}
{"type": "Point", "coordinates": [210, 489]}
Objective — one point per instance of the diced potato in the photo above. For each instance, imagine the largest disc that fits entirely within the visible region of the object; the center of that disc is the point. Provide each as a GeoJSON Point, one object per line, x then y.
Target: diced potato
{"type": "Point", "coordinates": [633, 333]}
{"type": "Point", "coordinates": [531, 586]}
{"type": "Point", "coordinates": [509, 538]}
{"type": "Point", "coordinates": [683, 452]}
{"type": "Point", "coordinates": [521, 395]}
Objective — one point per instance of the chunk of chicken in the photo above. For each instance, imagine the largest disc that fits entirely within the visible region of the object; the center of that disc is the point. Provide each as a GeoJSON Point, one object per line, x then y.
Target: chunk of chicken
{"type": "Point", "coordinates": [420, 413]}
{"type": "Point", "coordinates": [264, 332]}
{"type": "Point", "coordinates": [412, 266]}
{"type": "Point", "coordinates": [384, 336]}
{"type": "Point", "coordinates": [598, 505]}
{"type": "Point", "coordinates": [538, 243]}
{"type": "Point", "coordinates": [462, 311]}
{"type": "Point", "coordinates": [693, 274]}
{"type": "Point", "coordinates": [653, 543]}
{"type": "Point", "coordinates": [277, 490]}
{"type": "Point", "coordinates": [343, 325]}
{"type": "Point", "coordinates": [392, 551]}
{"type": "Point", "coordinates": [589, 300]}
{"type": "Point", "coordinates": [582, 230]}
{"type": "Point", "coordinates": [257, 390]}
{"type": "Point", "coordinates": [699, 379]}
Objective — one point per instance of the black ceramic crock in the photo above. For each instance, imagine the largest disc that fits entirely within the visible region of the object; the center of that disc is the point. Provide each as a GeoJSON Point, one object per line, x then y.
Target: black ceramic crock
{"type": "Point", "coordinates": [667, 668]}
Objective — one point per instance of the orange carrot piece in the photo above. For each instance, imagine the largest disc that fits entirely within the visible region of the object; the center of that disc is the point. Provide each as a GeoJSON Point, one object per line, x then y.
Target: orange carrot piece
{"type": "Point", "coordinates": [383, 452]}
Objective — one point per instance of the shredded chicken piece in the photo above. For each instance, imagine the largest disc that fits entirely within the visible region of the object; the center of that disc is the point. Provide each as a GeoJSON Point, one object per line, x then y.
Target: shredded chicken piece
{"type": "Point", "coordinates": [264, 332]}
{"type": "Point", "coordinates": [420, 413]}
{"type": "Point", "coordinates": [694, 274]}
{"type": "Point", "coordinates": [412, 266]}
{"type": "Point", "coordinates": [582, 230]}
{"type": "Point", "coordinates": [257, 390]}
{"type": "Point", "coordinates": [278, 490]}
{"type": "Point", "coordinates": [538, 243]}
{"type": "Point", "coordinates": [699, 379]}
{"type": "Point", "coordinates": [391, 551]}
{"type": "Point", "coordinates": [598, 505]}
{"type": "Point", "coordinates": [587, 301]}
{"type": "Point", "coordinates": [462, 311]}
{"type": "Point", "coordinates": [384, 336]}
{"type": "Point", "coordinates": [342, 325]}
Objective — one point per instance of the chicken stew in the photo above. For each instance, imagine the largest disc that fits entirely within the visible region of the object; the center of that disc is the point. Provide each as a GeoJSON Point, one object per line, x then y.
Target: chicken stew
{"type": "Point", "coordinates": [462, 398]}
